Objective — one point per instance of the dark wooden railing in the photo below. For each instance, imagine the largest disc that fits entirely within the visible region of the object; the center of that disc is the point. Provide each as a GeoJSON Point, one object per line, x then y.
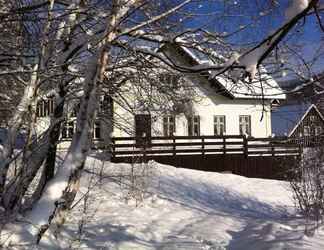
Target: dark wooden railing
{"type": "Point", "coordinates": [203, 145]}
{"type": "Point", "coordinates": [308, 141]}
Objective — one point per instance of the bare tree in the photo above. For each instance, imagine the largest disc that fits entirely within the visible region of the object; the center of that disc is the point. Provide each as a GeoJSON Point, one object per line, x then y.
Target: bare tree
{"type": "Point", "coordinates": [85, 46]}
{"type": "Point", "coordinates": [308, 187]}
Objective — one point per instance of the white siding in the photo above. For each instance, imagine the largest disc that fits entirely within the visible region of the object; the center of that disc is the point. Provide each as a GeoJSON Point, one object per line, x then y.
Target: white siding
{"type": "Point", "coordinates": [209, 104]}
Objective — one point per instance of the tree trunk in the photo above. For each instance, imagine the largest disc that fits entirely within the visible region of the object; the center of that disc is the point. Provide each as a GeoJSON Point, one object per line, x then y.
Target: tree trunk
{"type": "Point", "coordinates": [54, 136]}
{"type": "Point", "coordinates": [14, 126]}
{"type": "Point", "coordinates": [46, 148]}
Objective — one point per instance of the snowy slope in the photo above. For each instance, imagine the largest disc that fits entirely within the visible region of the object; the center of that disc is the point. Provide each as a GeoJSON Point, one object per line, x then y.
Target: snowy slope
{"type": "Point", "coordinates": [185, 209]}
{"type": "Point", "coordinates": [180, 209]}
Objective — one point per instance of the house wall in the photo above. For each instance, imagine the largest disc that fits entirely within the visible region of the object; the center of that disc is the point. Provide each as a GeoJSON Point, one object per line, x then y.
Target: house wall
{"type": "Point", "coordinates": [207, 104]}
{"type": "Point", "coordinates": [43, 124]}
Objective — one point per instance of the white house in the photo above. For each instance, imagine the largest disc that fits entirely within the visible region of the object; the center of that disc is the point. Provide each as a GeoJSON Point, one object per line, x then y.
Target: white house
{"type": "Point", "coordinates": [220, 107]}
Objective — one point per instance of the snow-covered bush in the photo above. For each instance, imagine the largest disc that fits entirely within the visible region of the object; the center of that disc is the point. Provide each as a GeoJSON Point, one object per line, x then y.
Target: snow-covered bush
{"type": "Point", "coordinates": [138, 180]}
{"type": "Point", "coordinates": [308, 185]}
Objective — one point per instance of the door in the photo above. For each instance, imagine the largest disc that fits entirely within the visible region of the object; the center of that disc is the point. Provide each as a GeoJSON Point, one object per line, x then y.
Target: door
{"type": "Point", "coordinates": [143, 130]}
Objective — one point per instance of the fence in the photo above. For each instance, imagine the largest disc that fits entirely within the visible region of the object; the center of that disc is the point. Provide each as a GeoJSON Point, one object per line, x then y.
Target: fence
{"type": "Point", "coordinates": [251, 157]}
{"type": "Point", "coordinates": [203, 145]}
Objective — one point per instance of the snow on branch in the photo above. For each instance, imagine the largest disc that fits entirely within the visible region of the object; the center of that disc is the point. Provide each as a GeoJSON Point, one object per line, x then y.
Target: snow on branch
{"type": "Point", "coordinates": [249, 61]}
{"type": "Point", "coordinates": [155, 18]}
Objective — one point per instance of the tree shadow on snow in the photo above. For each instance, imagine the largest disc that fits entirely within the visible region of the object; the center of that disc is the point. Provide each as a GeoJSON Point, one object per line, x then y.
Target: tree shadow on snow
{"type": "Point", "coordinates": [260, 234]}
{"type": "Point", "coordinates": [209, 198]}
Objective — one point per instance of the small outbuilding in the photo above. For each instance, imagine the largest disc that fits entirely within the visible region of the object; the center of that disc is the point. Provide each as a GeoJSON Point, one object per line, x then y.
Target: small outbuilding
{"type": "Point", "coordinates": [301, 121]}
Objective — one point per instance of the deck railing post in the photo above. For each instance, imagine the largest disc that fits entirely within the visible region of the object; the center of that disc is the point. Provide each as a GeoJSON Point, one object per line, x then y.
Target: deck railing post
{"type": "Point", "coordinates": [203, 146]}
{"type": "Point", "coordinates": [144, 151]}
{"type": "Point", "coordinates": [174, 146]}
{"type": "Point", "coordinates": [272, 150]}
{"type": "Point", "coordinates": [224, 145]}
{"type": "Point", "coordinates": [245, 146]}
{"type": "Point", "coordinates": [112, 148]}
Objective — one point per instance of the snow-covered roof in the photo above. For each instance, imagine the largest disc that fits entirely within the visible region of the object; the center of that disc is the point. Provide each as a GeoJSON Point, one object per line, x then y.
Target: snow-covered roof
{"type": "Point", "coordinates": [269, 88]}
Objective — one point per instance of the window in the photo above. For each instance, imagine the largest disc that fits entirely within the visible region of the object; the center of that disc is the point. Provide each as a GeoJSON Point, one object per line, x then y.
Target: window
{"type": "Point", "coordinates": [312, 118]}
{"type": "Point", "coordinates": [318, 130]}
{"type": "Point", "coordinates": [142, 125]}
{"type": "Point", "coordinates": [68, 129]}
{"type": "Point", "coordinates": [194, 125]}
{"type": "Point", "coordinates": [96, 130]}
{"type": "Point", "coordinates": [74, 111]}
{"type": "Point", "coordinates": [245, 125]}
{"type": "Point", "coordinates": [45, 107]}
{"type": "Point", "coordinates": [143, 129]}
{"type": "Point", "coordinates": [169, 80]}
{"type": "Point", "coordinates": [219, 125]}
{"type": "Point", "coordinates": [307, 131]}
{"type": "Point", "coordinates": [106, 105]}
{"type": "Point", "coordinates": [169, 125]}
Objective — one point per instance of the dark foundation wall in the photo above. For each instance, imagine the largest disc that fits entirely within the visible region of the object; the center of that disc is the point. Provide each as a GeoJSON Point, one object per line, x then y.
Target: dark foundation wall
{"type": "Point", "coordinates": [268, 167]}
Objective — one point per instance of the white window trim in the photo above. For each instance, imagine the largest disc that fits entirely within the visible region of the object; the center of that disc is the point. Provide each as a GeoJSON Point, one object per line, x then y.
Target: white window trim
{"type": "Point", "coordinates": [249, 123]}
{"type": "Point", "coordinates": [193, 122]}
{"type": "Point", "coordinates": [218, 124]}
{"type": "Point", "coordinates": [167, 125]}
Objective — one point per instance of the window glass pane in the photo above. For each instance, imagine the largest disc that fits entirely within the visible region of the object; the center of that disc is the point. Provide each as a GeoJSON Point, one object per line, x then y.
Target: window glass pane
{"type": "Point", "coordinates": [165, 129]}
{"type": "Point", "coordinates": [171, 129]}
{"type": "Point", "coordinates": [219, 125]}
{"type": "Point", "coordinates": [190, 125]}
{"type": "Point", "coordinates": [245, 124]}
{"type": "Point", "coordinates": [318, 130]}
{"type": "Point", "coordinates": [64, 130]}
{"type": "Point", "coordinates": [196, 130]}
{"type": "Point", "coordinates": [46, 107]}
{"type": "Point", "coordinates": [96, 131]}
{"type": "Point", "coordinates": [169, 126]}
{"type": "Point", "coordinates": [38, 110]}
{"type": "Point", "coordinates": [193, 125]}
{"type": "Point", "coordinates": [306, 131]}
{"type": "Point", "coordinates": [197, 126]}
{"type": "Point", "coordinates": [70, 129]}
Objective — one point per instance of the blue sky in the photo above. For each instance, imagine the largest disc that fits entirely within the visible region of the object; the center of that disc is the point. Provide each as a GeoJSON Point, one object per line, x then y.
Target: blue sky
{"type": "Point", "coordinates": [261, 18]}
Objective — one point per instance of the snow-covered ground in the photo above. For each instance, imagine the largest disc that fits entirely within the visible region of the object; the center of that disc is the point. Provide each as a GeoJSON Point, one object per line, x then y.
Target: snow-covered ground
{"type": "Point", "coordinates": [184, 209]}
{"type": "Point", "coordinates": [181, 209]}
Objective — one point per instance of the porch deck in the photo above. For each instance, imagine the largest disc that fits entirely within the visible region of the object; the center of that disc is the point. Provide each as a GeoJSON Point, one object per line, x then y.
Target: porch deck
{"type": "Point", "coordinates": [251, 157]}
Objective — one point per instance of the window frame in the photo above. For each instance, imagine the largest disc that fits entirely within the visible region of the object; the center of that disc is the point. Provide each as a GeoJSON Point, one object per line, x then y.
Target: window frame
{"type": "Point", "coordinates": [218, 124]}
{"type": "Point", "coordinates": [193, 123]}
{"type": "Point", "coordinates": [96, 130]}
{"type": "Point", "coordinates": [169, 79]}
{"type": "Point", "coordinates": [66, 132]}
{"type": "Point", "coordinates": [169, 124]}
{"type": "Point", "coordinates": [45, 107]}
{"type": "Point", "coordinates": [249, 130]}
{"type": "Point", "coordinates": [318, 130]}
{"type": "Point", "coordinates": [312, 118]}
{"type": "Point", "coordinates": [308, 132]}
{"type": "Point", "coordinates": [106, 105]}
